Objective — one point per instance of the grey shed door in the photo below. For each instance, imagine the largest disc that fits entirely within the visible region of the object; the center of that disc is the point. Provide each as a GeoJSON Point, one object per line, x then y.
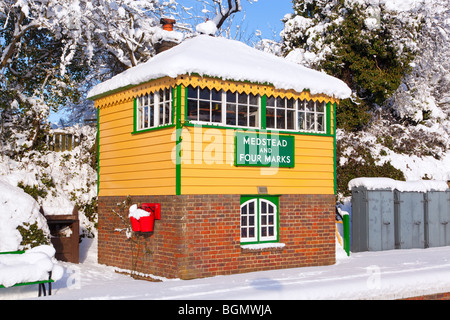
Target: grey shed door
{"type": "Point", "coordinates": [438, 218]}
{"type": "Point", "coordinates": [410, 220]}
{"type": "Point", "coordinates": [381, 220]}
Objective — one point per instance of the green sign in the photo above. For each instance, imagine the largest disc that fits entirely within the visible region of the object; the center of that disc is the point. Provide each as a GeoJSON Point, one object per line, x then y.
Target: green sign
{"type": "Point", "coordinates": [264, 150]}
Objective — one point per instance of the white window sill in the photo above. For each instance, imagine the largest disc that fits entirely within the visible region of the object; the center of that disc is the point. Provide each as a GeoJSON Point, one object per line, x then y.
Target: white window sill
{"type": "Point", "coordinates": [263, 246]}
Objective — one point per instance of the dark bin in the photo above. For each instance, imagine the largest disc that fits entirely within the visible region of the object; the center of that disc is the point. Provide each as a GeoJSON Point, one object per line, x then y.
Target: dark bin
{"type": "Point", "coordinates": [64, 231]}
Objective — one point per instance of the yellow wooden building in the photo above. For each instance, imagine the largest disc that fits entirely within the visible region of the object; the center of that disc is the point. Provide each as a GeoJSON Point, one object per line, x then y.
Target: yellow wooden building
{"type": "Point", "coordinates": [238, 147]}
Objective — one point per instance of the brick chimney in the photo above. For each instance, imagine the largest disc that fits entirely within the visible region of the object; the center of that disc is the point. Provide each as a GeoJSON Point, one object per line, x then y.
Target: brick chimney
{"type": "Point", "coordinates": [166, 43]}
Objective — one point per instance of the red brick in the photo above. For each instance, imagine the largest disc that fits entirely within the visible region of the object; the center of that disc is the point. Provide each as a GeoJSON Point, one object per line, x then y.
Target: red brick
{"type": "Point", "coordinates": [198, 236]}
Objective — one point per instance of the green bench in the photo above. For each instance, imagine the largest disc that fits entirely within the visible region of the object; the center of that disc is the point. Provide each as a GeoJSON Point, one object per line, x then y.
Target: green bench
{"type": "Point", "coordinates": [40, 283]}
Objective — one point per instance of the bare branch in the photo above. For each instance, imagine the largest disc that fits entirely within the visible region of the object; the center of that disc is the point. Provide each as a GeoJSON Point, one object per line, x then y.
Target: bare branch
{"type": "Point", "coordinates": [224, 13]}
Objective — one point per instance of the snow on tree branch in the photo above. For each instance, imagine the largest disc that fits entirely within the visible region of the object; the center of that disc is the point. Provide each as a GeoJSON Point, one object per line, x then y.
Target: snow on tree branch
{"type": "Point", "coordinates": [222, 14]}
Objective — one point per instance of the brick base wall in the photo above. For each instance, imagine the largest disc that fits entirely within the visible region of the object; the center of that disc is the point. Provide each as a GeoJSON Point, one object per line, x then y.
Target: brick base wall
{"type": "Point", "coordinates": [199, 236]}
{"type": "Point", "coordinates": [436, 296]}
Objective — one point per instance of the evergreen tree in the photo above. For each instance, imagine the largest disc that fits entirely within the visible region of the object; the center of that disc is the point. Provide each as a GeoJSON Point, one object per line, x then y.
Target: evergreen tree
{"type": "Point", "coordinates": [355, 42]}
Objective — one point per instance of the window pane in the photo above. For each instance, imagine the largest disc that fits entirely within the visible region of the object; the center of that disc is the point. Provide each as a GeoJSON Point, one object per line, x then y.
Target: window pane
{"type": "Point", "coordinates": [301, 105]}
{"type": "Point", "coordinates": [263, 220]}
{"type": "Point", "coordinates": [243, 98]}
{"type": "Point", "coordinates": [251, 232]}
{"type": "Point", "coordinates": [264, 232]}
{"type": "Point", "coordinates": [139, 119]}
{"type": "Point", "coordinates": [281, 118]}
{"type": "Point", "coordinates": [167, 114]}
{"type": "Point", "coordinates": [280, 103]}
{"type": "Point", "coordinates": [310, 121]}
{"type": "Point", "coordinates": [320, 106]}
{"type": "Point", "coordinates": [216, 95]}
{"type": "Point", "coordinates": [192, 93]}
{"type": "Point", "coordinates": [168, 94]}
{"type": "Point", "coordinates": [271, 231]}
{"type": "Point", "coordinates": [205, 94]}
{"type": "Point", "coordinates": [161, 114]}
{"type": "Point", "coordinates": [291, 103]}
{"type": "Point", "coordinates": [231, 97]}
{"type": "Point", "coordinates": [301, 121]}
{"type": "Point", "coordinates": [244, 233]}
{"type": "Point", "coordinates": [192, 110]}
{"type": "Point", "coordinates": [310, 106]}
{"type": "Point", "coordinates": [231, 114]}
{"type": "Point", "coordinates": [243, 221]}
{"type": "Point", "coordinates": [253, 100]}
{"type": "Point", "coordinates": [251, 208]}
{"type": "Point", "coordinates": [254, 117]}
{"type": "Point", "coordinates": [242, 116]}
{"type": "Point", "coordinates": [270, 101]}
{"type": "Point", "coordinates": [217, 112]}
{"type": "Point", "coordinates": [204, 111]}
{"type": "Point", "coordinates": [263, 207]}
{"type": "Point", "coordinates": [270, 118]}
{"type": "Point", "coordinates": [146, 118]}
{"type": "Point", "coordinates": [251, 220]}
{"type": "Point", "coordinates": [290, 119]}
{"type": "Point", "coordinates": [152, 116]}
{"type": "Point", "coordinates": [320, 122]}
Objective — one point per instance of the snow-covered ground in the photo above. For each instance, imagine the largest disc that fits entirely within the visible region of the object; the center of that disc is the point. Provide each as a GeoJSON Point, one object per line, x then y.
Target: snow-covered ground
{"type": "Point", "coordinates": [391, 274]}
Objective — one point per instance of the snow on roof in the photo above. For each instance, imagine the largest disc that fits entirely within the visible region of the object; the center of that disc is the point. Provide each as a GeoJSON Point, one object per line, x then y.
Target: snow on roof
{"type": "Point", "coordinates": [229, 60]}
{"type": "Point", "coordinates": [403, 186]}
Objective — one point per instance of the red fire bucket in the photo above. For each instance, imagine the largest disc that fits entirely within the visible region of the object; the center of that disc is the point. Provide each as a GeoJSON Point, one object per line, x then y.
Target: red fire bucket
{"type": "Point", "coordinates": [147, 223]}
{"type": "Point", "coordinates": [135, 225]}
{"type": "Point", "coordinates": [153, 207]}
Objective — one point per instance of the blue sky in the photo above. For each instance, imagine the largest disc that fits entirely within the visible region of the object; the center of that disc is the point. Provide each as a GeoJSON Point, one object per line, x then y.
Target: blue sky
{"type": "Point", "coordinates": [263, 15]}
{"type": "Point", "coordinates": [266, 15]}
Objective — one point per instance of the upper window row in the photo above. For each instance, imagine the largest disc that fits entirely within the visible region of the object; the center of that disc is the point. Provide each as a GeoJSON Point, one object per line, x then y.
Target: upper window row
{"type": "Point", "coordinates": [244, 110]}
{"type": "Point", "coordinates": [154, 109]}
{"type": "Point", "coordinates": [232, 109]}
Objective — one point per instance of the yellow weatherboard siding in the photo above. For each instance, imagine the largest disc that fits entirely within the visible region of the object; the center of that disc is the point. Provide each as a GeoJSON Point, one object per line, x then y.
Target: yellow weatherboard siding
{"type": "Point", "coordinates": [208, 156]}
{"type": "Point", "coordinates": [145, 163]}
{"type": "Point", "coordinates": [133, 164]}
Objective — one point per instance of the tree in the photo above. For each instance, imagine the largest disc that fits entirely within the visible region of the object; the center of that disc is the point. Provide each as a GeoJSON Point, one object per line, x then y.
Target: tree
{"type": "Point", "coordinates": [354, 41]}
{"type": "Point", "coordinates": [30, 71]}
{"type": "Point", "coordinates": [53, 50]}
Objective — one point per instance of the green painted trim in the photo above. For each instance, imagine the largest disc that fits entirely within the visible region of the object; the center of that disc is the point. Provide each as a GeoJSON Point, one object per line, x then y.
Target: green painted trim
{"type": "Point", "coordinates": [179, 127]}
{"type": "Point", "coordinates": [174, 92]}
{"type": "Point", "coordinates": [328, 119]}
{"type": "Point", "coordinates": [256, 130]}
{"type": "Point", "coordinates": [154, 129]}
{"type": "Point", "coordinates": [29, 283]}
{"type": "Point", "coordinates": [98, 151]}
{"type": "Point", "coordinates": [186, 106]}
{"type": "Point", "coordinates": [346, 225]}
{"type": "Point", "coordinates": [275, 199]}
{"type": "Point", "coordinates": [135, 115]}
{"type": "Point", "coordinates": [263, 112]}
{"type": "Point", "coordinates": [13, 252]}
{"type": "Point", "coordinates": [334, 149]}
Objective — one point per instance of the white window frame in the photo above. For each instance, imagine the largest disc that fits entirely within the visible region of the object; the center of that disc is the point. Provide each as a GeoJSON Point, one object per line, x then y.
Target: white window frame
{"type": "Point", "coordinates": [282, 107]}
{"type": "Point", "coordinates": [246, 225]}
{"type": "Point", "coordinates": [224, 103]}
{"type": "Point", "coordinates": [261, 221]}
{"type": "Point", "coordinates": [313, 113]}
{"type": "Point", "coordinates": [145, 119]}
